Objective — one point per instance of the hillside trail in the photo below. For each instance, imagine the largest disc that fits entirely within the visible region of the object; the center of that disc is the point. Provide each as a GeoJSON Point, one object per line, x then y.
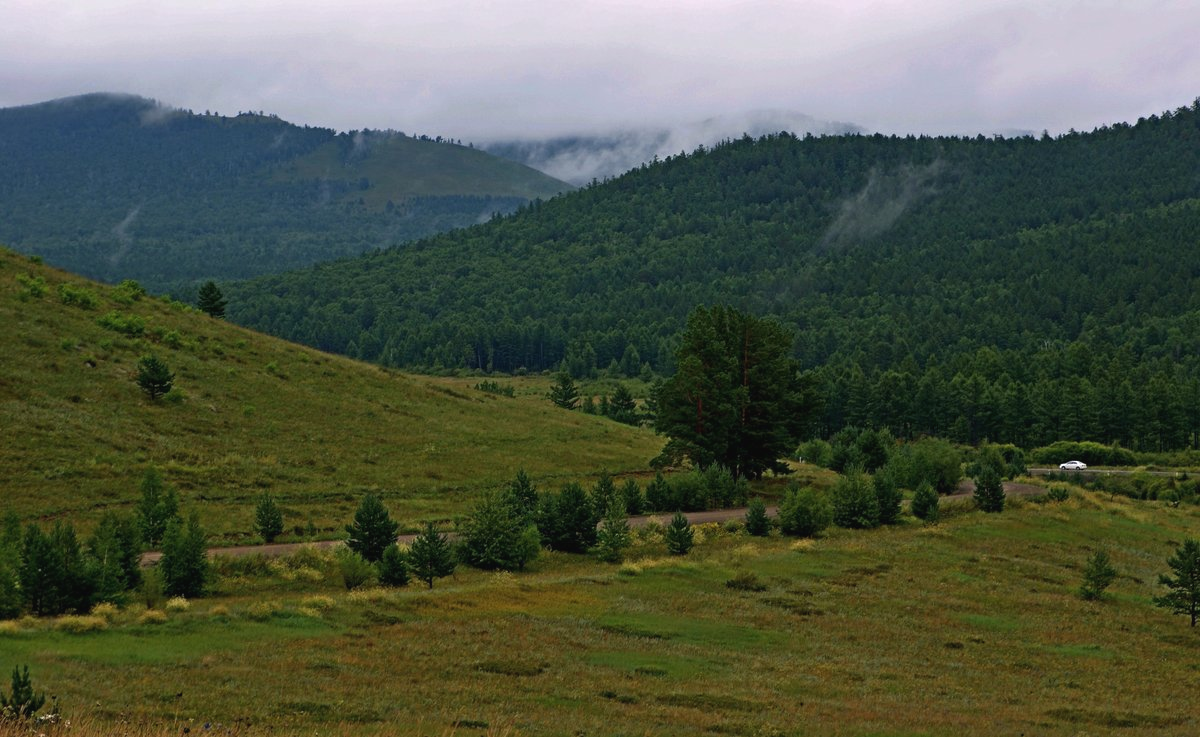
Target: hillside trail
{"type": "Point", "coordinates": [966, 488]}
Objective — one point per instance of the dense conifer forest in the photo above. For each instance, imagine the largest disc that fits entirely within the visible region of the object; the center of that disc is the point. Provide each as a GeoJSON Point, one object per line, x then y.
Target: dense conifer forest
{"type": "Point", "coordinates": [116, 187]}
{"type": "Point", "coordinates": [1017, 290]}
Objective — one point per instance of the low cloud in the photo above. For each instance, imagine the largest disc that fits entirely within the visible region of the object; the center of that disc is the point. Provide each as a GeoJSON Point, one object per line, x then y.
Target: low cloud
{"type": "Point", "coordinates": [879, 204]}
{"type": "Point", "coordinates": [121, 232]}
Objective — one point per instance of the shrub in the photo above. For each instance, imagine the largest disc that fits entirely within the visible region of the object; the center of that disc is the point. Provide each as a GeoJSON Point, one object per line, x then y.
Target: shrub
{"type": "Point", "coordinates": [989, 489]}
{"type": "Point", "coordinates": [887, 495]}
{"type": "Point", "coordinates": [261, 611]}
{"type": "Point", "coordinates": [746, 581]}
{"type": "Point", "coordinates": [356, 570]}
{"type": "Point", "coordinates": [804, 512]}
{"type": "Point", "coordinates": [613, 537]}
{"type": "Point", "coordinates": [35, 286]}
{"type": "Point", "coordinates": [815, 451]}
{"type": "Point", "coordinates": [152, 616]}
{"type": "Point", "coordinates": [80, 297]}
{"type": "Point", "coordinates": [118, 322]}
{"type": "Point", "coordinates": [854, 502]}
{"type": "Point", "coordinates": [177, 604]}
{"type": "Point", "coordinates": [1058, 493]}
{"type": "Point", "coordinates": [925, 503]}
{"type": "Point", "coordinates": [1094, 454]}
{"type": "Point", "coordinates": [128, 292]}
{"type": "Point", "coordinates": [931, 460]}
{"type": "Point", "coordinates": [105, 610]}
{"type": "Point", "coordinates": [496, 536]}
{"type": "Point", "coordinates": [80, 624]}
{"type": "Point", "coordinates": [493, 387]}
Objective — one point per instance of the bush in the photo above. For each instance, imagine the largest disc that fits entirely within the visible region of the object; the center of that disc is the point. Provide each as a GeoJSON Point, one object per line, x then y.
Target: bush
{"type": "Point", "coordinates": [21, 702]}
{"type": "Point", "coordinates": [356, 570]}
{"type": "Point", "coordinates": [1058, 493]}
{"type": "Point", "coordinates": [128, 292]}
{"type": "Point", "coordinates": [1093, 454]}
{"type": "Point", "coordinates": [746, 581]}
{"type": "Point", "coordinates": [35, 286]}
{"type": "Point", "coordinates": [80, 297]}
{"type": "Point", "coordinates": [931, 460]}
{"type": "Point", "coordinates": [804, 512]}
{"type": "Point", "coordinates": [854, 503]}
{"type": "Point", "coordinates": [815, 451]}
{"type": "Point", "coordinates": [989, 489]}
{"type": "Point", "coordinates": [130, 325]}
{"type": "Point", "coordinates": [887, 495]}
{"type": "Point", "coordinates": [925, 503]}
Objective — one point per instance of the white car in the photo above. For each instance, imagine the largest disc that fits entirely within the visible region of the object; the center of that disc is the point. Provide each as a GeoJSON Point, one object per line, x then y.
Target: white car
{"type": "Point", "coordinates": [1072, 466]}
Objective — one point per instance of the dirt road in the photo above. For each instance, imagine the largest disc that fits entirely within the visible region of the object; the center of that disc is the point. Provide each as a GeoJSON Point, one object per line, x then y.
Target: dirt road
{"type": "Point", "coordinates": [965, 489]}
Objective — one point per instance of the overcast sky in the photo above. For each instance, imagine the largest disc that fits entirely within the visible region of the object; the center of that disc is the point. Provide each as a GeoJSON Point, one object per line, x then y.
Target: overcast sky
{"type": "Point", "coordinates": [478, 70]}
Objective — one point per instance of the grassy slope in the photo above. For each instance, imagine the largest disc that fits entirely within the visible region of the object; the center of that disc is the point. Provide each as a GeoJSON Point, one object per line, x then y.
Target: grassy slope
{"type": "Point", "coordinates": [400, 166]}
{"type": "Point", "coordinates": [971, 627]}
{"type": "Point", "coordinates": [258, 414]}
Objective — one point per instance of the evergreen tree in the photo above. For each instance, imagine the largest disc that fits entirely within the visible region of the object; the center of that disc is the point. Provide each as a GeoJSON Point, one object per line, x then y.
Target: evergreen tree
{"type": "Point", "coordinates": [373, 529]}
{"type": "Point", "coordinates": [21, 702]}
{"type": "Point", "coordinates": [10, 565]}
{"type": "Point", "coordinates": [393, 567]}
{"type": "Point", "coordinates": [268, 518]}
{"type": "Point", "coordinates": [154, 377]}
{"type": "Point", "coordinates": [925, 503]}
{"type": "Point", "coordinates": [631, 495]}
{"type": "Point", "coordinates": [887, 495]}
{"type": "Point", "coordinates": [603, 493]}
{"type": "Point", "coordinates": [116, 549]}
{"type": "Point", "coordinates": [804, 512]}
{"type": "Point", "coordinates": [184, 563]}
{"type": "Point", "coordinates": [564, 393]}
{"type": "Point", "coordinates": [429, 556]}
{"type": "Point", "coordinates": [854, 502]}
{"type": "Point", "coordinates": [679, 535]}
{"type": "Point", "coordinates": [157, 507]}
{"type": "Point", "coordinates": [494, 536]}
{"type": "Point", "coordinates": [78, 584]}
{"type": "Point", "coordinates": [757, 522]}
{"type": "Point", "coordinates": [567, 520]}
{"type": "Point", "coordinates": [613, 537]}
{"type": "Point", "coordinates": [1097, 576]}
{"type": "Point", "coordinates": [522, 496]}
{"type": "Point", "coordinates": [1184, 594]}
{"type": "Point", "coordinates": [43, 574]}
{"type": "Point", "coordinates": [622, 407]}
{"type": "Point", "coordinates": [659, 497]}
{"type": "Point", "coordinates": [737, 397]}
{"type": "Point", "coordinates": [989, 489]}
{"type": "Point", "coordinates": [211, 300]}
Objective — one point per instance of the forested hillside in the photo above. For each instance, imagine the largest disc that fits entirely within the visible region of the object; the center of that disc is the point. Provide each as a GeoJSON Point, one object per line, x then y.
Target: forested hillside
{"type": "Point", "coordinates": [120, 187]}
{"type": "Point", "coordinates": [1020, 290]}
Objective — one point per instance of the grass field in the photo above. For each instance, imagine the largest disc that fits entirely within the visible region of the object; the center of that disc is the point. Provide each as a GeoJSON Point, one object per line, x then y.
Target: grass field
{"type": "Point", "coordinates": [970, 627]}
{"type": "Point", "coordinates": [254, 414]}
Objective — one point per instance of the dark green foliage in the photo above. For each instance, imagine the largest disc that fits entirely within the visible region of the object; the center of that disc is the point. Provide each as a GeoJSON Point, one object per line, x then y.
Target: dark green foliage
{"type": "Point", "coordinates": [631, 496]}
{"type": "Point", "coordinates": [372, 530]}
{"type": "Point", "coordinates": [679, 535]}
{"type": "Point", "coordinates": [154, 376]}
{"type": "Point", "coordinates": [804, 512]}
{"type": "Point", "coordinates": [393, 567]}
{"type": "Point", "coordinates": [659, 496]}
{"type": "Point", "coordinates": [130, 325]}
{"type": "Point", "coordinates": [983, 312]}
{"type": "Point", "coordinates": [604, 493]}
{"type": "Point", "coordinates": [854, 502]}
{"type": "Point", "coordinates": [567, 520]}
{"type": "Point", "coordinates": [356, 570]}
{"type": "Point", "coordinates": [495, 387]}
{"type": "Point", "coordinates": [622, 407]}
{"type": "Point", "coordinates": [564, 393]}
{"type": "Point", "coordinates": [928, 460]}
{"type": "Point", "coordinates": [10, 592]}
{"type": "Point", "coordinates": [54, 575]}
{"type": "Point", "coordinates": [210, 300]}
{"type": "Point", "coordinates": [867, 449]}
{"type": "Point", "coordinates": [989, 488]}
{"type": "Point", "coordinates": [757, 522]}
{"type": "Point", "coordinates": [737, 398]}
{"type": "Point", "coordinates": [156, 508]}
{"type": "Point", "coordinates": [195, 197]}
{"type": "Point", "coordinates": [613, 537]}
{"type": "Point", "coordinates": [522, 496]}
{"type": "Point", "coordinates": [21, 702]}
{"type": "Point", "coordinates": [10, 565]}
{"type": "Point", "coordinates": [1093, 454]}
{"type": "Point", "coordinates": [268, 518]}
{"type": "Point", "coordinates": [817, 452]}
{"type": "Point", "coordinates": [1184, 594]}
{"type": "Point", "coordinates": [116, 550]}
{"type": "Point", "coordinates": [429, 556]}
{"type": "Point", "coordinates": [887, 495]}
{"type": "Point", "coordinates": [494, 536]}
{"type": "Point", "coordinates": [925, 503]}
{"type": "Point", "coordinates": [184, 563]}
{"type": "Point", "coordinates": [1097, 576]}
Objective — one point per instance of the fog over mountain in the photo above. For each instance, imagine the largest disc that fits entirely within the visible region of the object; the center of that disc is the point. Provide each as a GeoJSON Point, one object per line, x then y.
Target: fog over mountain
{"type": "Point", "coordinates": [581, 158]}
